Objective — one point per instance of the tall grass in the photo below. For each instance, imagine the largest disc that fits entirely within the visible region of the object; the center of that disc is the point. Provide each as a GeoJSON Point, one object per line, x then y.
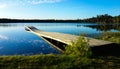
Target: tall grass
{"type": "Point", "coordinates": [49, 61]}
{"type": "Point", "coordinates": [111, 36]}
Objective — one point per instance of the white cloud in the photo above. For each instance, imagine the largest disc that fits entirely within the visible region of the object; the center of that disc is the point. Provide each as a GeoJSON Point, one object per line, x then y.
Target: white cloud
{"type": "Point", "coordinates": [3, 5]}
{"type": "Point", "coordinates": [43, 1]}
{"type": "Point", "coordinates": [35, 41]}
{"type": "Point", "coordinates": [3, 37]}
{"type": "Point", "coordinates": [1, 47]}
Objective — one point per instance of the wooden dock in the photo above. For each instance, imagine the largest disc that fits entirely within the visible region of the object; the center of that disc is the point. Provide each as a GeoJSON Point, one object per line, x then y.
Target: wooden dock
{"type": "Point", "coordinates": [62, 38]}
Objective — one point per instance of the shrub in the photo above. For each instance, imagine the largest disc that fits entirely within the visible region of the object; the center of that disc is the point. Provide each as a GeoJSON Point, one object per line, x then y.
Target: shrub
{"type": "Point", "coordinates": [111, 36]}
{"type": "Point", "coordinates": [79, 47]}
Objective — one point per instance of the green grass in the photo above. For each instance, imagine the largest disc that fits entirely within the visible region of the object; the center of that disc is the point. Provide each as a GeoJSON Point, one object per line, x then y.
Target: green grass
{"type": "Point", "coordinates": [111, 36]}
{"type": "Point", "coordinates": [108, 62]}
{"type": "Point", "coordinates": [50, 61]}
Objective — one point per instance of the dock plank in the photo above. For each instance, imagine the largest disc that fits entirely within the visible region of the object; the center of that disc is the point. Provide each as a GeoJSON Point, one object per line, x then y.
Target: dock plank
{"type": "Point", "coordinates": [65, 38]}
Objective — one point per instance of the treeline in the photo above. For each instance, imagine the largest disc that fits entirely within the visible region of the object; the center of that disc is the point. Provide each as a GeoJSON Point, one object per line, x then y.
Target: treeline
{"type": "Point", "coordinates": [102, 19]}
{"type": "Point", "coordinates": [35, 20]}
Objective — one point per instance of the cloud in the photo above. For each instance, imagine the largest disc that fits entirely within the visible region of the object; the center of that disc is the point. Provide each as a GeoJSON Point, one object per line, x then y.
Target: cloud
{"type": "Point", "coordinates": [3, 5]}
{"type": "Point", "coordinates": [43, 1]}
{"type": "Point", "coordinates": [35, 41]}
{"type": "Point", "coordinates": [1, 47]}
{"type": "Point", "coordinates": [3, 37]}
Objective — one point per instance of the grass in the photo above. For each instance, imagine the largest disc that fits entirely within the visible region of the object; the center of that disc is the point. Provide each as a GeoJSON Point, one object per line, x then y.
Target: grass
{"type": "Point", "coordinates": [111, 36]}
{"type": "Point", "coordinates": [50, 61]}
{"type": "Point", "coordinates": [109, 62]}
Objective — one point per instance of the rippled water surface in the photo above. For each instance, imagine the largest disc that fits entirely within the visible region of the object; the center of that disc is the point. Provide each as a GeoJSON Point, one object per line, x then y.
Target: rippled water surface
{"type": "Point", "coordinates": [14, 40]}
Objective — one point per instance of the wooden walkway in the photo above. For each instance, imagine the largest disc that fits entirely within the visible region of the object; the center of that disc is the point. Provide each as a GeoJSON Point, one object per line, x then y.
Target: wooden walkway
{"type": "Point", "coordinates": [64, 38]}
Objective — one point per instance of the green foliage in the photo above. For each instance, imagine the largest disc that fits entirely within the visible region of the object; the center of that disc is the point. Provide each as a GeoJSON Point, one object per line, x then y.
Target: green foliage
{"type": "Point", "coordinates": [49, 61]}
{"type": "Point", "coordinates": [52, 61]}
{"type": "Point", "coordinates": [79, 47]}
{"type": "Point", "coordinates": [111, 36]}
{"type": "Point", "coordinates": [103, 19]}
{"type": "Point", "coordinates": [109, 62]}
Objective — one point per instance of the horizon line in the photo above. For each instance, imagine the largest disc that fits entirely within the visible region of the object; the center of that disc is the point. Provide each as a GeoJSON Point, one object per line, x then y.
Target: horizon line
{"type": "Point", "coordinates": [54, 18]}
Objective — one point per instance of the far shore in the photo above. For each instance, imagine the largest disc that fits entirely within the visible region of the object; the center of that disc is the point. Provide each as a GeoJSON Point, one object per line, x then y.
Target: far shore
{"type": "Point", "coordinates": [37, 20]}
{"type": "Point", "coordinates": [101, 19]}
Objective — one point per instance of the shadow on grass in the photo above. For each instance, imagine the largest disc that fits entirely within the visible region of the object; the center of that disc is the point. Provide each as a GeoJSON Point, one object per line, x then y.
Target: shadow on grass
{"type": "Point", "coordinates": [106, 50]}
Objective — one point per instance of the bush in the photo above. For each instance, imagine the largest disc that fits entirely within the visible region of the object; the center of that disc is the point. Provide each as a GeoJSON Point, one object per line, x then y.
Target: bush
{"type": "Point", "coordinates": [79, 47]}
{"type": "Point", "coordinates": [111, 36]}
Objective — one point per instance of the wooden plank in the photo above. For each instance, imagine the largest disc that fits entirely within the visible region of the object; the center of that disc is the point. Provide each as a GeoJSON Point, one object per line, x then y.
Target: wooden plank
{"type": "Point", "coordinates": [65, 38]}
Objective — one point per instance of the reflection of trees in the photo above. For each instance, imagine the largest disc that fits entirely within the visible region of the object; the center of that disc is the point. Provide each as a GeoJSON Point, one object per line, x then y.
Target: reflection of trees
{"type": "Point", "coordinates": [5, 25]}
{"type": "Point", "coordinates": [105, 27]}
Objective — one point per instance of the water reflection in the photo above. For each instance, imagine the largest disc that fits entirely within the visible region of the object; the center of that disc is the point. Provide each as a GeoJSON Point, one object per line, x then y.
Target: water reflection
{"type": "Point", "coordinates": [105, 27]}
{"type": "Point", "coordinates": [14, 40]}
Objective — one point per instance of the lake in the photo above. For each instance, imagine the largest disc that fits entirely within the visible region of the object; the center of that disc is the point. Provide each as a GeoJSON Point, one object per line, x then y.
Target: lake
{"type": "Point", "coordinates": [14, 40]}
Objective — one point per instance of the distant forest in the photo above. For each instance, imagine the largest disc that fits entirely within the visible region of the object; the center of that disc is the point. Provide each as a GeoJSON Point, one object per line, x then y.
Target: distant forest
{"type": "Point", "coordinates": [104, 19]}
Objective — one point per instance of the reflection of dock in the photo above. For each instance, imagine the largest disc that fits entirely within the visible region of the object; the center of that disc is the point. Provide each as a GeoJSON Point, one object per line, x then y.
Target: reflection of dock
{"type": "Point", "coordinates": [59, 40]}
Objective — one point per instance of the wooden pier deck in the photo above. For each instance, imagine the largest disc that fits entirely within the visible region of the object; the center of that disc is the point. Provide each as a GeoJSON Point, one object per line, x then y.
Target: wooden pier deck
{"type": "Point", "coordinates": [59, 40]}
{"type": "Point", "coordinates": [64, 38]}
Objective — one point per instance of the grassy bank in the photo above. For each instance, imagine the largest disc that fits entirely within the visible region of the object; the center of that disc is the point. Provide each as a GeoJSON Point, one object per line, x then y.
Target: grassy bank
{"type": "Point", "coordinates": [111, 36]}
{"type": "Point", "coordinates": [49, 61]}
{"type": "Point", "coordinates": [58, 62]}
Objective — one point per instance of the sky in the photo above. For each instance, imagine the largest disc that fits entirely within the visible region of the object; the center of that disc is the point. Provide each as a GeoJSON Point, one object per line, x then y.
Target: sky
{"type": "Point", "coordinates": [57, 9]}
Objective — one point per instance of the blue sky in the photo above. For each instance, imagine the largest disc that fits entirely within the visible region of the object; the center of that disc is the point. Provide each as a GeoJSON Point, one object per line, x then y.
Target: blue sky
{"type": "Point", "coordinates": [57, 9]}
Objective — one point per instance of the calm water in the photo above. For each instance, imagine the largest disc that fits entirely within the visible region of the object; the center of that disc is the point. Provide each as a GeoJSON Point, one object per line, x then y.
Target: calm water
{"type": "Point", "coordinates": [14, 40]}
